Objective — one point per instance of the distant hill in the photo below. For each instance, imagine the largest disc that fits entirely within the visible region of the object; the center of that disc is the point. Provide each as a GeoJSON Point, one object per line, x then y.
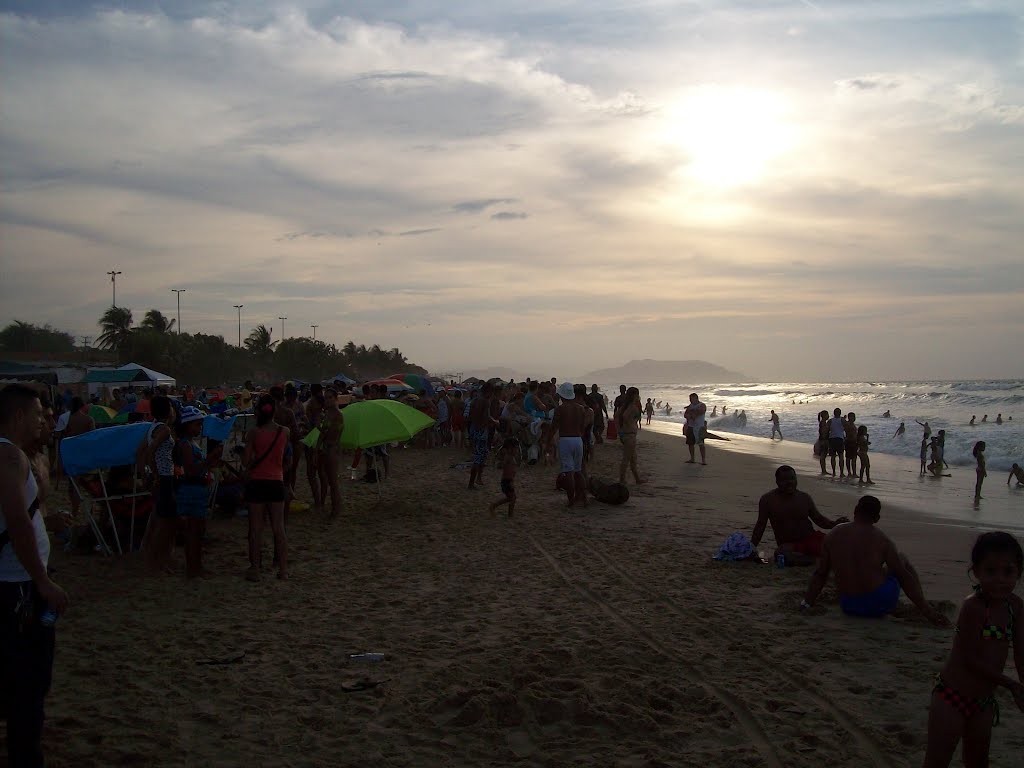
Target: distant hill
{"type": "Point", "coordinates": [665, 372]}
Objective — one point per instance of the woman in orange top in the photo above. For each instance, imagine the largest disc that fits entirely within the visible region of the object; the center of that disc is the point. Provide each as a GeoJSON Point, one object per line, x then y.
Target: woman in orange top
{"type": "Point", "coordinates": [265, 460]}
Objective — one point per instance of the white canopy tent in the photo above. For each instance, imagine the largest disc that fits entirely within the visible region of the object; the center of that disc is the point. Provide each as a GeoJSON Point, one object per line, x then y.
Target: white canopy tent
{"type": "Point", "coordinates": [158, 379]}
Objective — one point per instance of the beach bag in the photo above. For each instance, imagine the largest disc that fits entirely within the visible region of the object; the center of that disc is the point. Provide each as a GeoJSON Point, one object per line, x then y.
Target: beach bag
{"type": "Point", "coordinates": [609, 493]}
{"type": "Point", "coordinates": [613, 430]}
{"type": "Point", "coordinates": [820, 448]}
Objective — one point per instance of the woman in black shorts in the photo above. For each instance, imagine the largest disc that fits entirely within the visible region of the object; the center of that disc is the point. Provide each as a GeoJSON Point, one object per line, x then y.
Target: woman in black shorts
{"type": "Point", "coordinates": [264, 460]}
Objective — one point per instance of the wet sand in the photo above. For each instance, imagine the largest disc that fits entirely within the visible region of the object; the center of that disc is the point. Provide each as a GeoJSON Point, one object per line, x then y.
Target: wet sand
{"type": "Point", "coordinates": [606, 637]}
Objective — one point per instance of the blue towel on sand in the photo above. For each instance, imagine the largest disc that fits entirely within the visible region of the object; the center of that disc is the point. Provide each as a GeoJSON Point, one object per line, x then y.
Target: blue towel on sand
{"type": "Point", "coordinates": [736, 547]}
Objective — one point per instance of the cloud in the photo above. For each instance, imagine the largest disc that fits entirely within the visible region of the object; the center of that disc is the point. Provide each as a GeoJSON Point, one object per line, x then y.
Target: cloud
{"type": "Point", "coordinates": [416, 232]}
{"type": "Point", "coordinates": [869, 83]}
{"type": "Point", "coordinates": [476, 206]}
{"type": "Point", "coordinates": [280, 155]}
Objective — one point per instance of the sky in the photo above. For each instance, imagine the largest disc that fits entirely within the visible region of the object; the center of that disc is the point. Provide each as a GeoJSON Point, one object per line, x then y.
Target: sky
{"type": "Point", "coordinates": [795, 190]}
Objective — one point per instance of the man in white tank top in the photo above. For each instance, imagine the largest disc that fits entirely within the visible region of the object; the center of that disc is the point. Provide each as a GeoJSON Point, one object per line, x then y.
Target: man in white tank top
{"type": "Point", "coordinates": [26, 591]}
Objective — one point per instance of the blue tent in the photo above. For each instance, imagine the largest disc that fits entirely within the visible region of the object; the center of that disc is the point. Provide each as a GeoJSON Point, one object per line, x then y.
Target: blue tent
{"type": "Point", "coordinates": [340, 377]}
{"type": "Point", "coordinates": [102, 448]}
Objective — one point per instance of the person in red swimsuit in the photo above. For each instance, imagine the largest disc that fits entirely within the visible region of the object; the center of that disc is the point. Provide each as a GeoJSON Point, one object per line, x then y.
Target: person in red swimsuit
{"type": "Point", "coordinates": [793, 516]}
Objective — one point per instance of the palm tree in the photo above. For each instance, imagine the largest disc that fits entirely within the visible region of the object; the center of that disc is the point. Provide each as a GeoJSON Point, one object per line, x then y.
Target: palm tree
{"type": "Point", "coordinates": [155, 320]}
{"type": "Point", "coordinates": [258, 342]}
{"type": "Point", "coordinates": [18, 336]}
{"type": "Point", "coordinates": [116, 323]}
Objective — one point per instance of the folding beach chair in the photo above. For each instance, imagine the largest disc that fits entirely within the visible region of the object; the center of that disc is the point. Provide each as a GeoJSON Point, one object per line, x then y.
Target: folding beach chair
{"type": "Point", "coordinates": [98, 451]}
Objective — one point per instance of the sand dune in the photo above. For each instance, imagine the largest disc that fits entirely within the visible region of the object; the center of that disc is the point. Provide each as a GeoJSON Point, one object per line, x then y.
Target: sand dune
{"type": "Point", "coordinates": [605, 638]}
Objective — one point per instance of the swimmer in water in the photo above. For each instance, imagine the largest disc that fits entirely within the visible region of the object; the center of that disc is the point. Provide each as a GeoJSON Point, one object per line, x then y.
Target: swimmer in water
{"type": "Point", "coordinates": [887, 415]}
{"type": "Point", "coordinates": [984, 418]}
{"type": "Point", "coordinates": [714, 411]}
{"type": "Point", "coordinates": [972, 421]}
{"type": "Point", "coordinates": [999, 418]}
{"type": "Point", "coordinates": [900, 430]}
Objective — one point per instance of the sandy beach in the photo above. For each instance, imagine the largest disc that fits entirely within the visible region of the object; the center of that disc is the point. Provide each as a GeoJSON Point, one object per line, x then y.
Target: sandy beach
{"type": "Point", "coordinates": [606, 637]}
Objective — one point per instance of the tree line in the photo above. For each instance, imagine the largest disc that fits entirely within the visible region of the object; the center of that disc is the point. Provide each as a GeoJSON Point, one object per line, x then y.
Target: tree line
{"type": "Point", "coordinates": [204, 359]}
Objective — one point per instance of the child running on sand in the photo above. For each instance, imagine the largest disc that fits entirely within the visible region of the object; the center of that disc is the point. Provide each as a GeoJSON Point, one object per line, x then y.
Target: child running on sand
{"type": "Point", "coordinates": [963, 704]}
{"type": "Point", "coordinates": [979, 454]}
{"type": "Point", "coordinates": [508, 460]}
{"type": "Point", "coordinates": [862, 453]}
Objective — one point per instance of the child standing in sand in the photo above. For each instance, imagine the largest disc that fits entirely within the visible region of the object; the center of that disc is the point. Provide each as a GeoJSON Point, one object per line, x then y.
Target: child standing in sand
{"type": "Point", "coordinates": [991, 620]}
{"type": "Point", "coordinates": [192, 492]}
{"type": "Point", "coordinates": [508, 460]}
{"type": "Point", "coordinates": [979, 454]}
{"type": "Point", "coordinates": [862, 453]}
{"type": "Point", "coordinates": [924, 455]}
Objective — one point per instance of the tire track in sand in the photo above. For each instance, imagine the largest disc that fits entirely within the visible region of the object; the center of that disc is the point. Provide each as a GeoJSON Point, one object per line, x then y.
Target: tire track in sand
{"type": "Point", "coordinates": [743, 716]}
{"type": "Point", "coordinates": [865, 741]}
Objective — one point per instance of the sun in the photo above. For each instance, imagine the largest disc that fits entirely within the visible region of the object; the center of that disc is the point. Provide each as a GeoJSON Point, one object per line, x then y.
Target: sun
{"type": "Point", "coordinates": [730, 134]}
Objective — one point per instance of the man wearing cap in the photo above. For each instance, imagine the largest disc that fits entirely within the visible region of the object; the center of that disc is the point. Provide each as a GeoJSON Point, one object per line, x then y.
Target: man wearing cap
{"type": "Point", "coordinates": [569, 423]}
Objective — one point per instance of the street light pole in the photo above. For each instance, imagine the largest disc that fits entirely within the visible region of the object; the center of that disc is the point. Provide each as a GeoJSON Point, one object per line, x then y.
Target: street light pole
{"type": "Point", "coordinates": [239, 308]}
{"type": "Point", "coordinates": [179, 291]}
{"type": "Point", "coordinates": [282, 319]}
{"type": "Point", "coordinates": [113, 282]}
{"type": "Point", "coordinates": [314, 327]}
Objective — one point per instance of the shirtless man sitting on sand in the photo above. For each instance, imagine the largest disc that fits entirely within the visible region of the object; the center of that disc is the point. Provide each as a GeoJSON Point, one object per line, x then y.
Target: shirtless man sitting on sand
{"type": "Point", "coordinates": [869, 569]}
{"type": "Point", "coordinates": [793, 516]}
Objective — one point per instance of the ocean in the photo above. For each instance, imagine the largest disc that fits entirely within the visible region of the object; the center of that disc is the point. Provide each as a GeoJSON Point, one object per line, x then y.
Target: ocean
{"type": "Point", "coordinates": [946, 405]}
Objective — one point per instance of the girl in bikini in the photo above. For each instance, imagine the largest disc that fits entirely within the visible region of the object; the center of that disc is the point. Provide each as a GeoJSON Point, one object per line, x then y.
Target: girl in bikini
{"type": "Point", "coordinates": [982, 473]}
{"type": "Point", "coordinates": [990, 622]}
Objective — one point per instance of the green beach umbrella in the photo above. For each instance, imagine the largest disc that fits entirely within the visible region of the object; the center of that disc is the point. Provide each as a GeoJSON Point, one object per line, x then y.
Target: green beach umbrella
{"type": "Point", "coordinates": [376, 422]}
{"type": "Point", "coordinates": [101, 414]}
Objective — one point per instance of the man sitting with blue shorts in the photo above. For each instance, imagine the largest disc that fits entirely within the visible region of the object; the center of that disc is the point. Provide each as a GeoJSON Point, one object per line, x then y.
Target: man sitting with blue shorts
{"type": "Point", "coordinates": [869, 569]}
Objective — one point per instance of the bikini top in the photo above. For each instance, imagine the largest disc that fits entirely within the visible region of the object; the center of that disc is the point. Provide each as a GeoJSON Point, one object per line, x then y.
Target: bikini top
{"type": "Point", "coordinates": [990, 631]}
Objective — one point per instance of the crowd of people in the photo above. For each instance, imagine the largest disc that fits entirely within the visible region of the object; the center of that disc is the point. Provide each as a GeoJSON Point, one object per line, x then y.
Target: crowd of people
{"type": "Point", "coordinates": [529, 423]}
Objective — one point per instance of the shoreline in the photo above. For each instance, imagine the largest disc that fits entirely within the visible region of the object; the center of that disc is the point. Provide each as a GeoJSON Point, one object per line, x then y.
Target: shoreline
{"type": "Point", "coordinates": [942, 501]}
